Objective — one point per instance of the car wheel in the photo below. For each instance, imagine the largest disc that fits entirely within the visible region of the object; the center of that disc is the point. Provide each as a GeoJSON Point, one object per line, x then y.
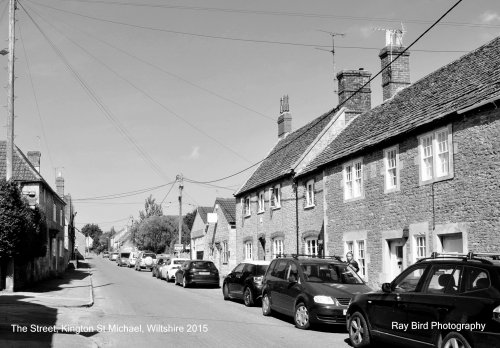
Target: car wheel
{"type": "Point", "coordinates": [455, 340]}
{"type": "Point", "coordinates": [359, 333]}
{"type": "Point", "coordinates": [301, 317]}
{"type": "Point", "coordinates": [225, 292]}
{"type": "Point", "coordinates": [184, 282]}
{"type": "Point", "coordinates": [248, 297]}
{"type": "Point", "coordinates": [266, 305]}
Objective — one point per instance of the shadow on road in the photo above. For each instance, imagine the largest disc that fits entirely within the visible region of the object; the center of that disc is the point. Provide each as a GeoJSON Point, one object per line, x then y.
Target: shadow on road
{"type": "Point", "coordinates": [22, 323]}
{"type": "Point", "coordinates": [62, 281]}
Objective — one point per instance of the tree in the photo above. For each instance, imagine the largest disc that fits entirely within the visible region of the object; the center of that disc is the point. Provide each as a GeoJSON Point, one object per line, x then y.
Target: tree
{"type": "Point", "coordinates": [151, 208]}
{"type": "Point", "coordinates": [189, 219]}
{"type": "Point", "coordinates": [155, 233]}
{"type": "Point", "coordinates": [93, 231]}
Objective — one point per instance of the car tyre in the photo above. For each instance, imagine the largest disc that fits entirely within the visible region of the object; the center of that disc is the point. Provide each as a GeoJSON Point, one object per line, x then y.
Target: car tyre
{"type": "Point", "coordinates": [248, 297]}
{"type": "Point", "coordinates": [454, 339]}
{"type": "Point", "coordinates": [359, 334]}
{"type": "Point", "coordinates": [266, 305]}
{"type": "Point", "coordinates": [301, 317]}
{"type": "Point", "coordinates": [225, 292]}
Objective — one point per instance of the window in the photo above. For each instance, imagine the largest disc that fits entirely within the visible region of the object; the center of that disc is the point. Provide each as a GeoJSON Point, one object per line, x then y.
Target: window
{"type": "Point", "coordinates": [391, 163]}
{"type": "Point", "coordinates": [248, 251]}
{"type": "Point", "coordinates": [261, 202]}
{"type": "Point", "coordinates": [420, 250]}
{"type": "Point", "coordinates": [436, 160]}
{"type": "Point", "coordinates": [275, 194]}
{"type": "Point", "coordinates": [54, 212]}
{"type": "Point", "coordinates": [277, 247]}
{"type": "Point", "coordinates": [408, 281]}
{"type": "Point", "coordinates": [360, 244]}
{"type": "Point", "coordinates": [476, 279]}
{"type": "Point", "coordinates": [310, 193]}
{"type": "Point", "coordinates": [225, 252]}
{"type": "Point", "coordinates": [444, 280]}
{"type": "Point", "coordinates": [312, 246]}
{"type": "Point", "coordinates": [353, 179]}
{"type": "Point", "coordinates": [61, 217]}
{"type": "Point", "coordinates": [349, 247]}
{"type": "Point", "coordinates": [247, 206]}
{"type": "Point", "coordinates": [280, 269]}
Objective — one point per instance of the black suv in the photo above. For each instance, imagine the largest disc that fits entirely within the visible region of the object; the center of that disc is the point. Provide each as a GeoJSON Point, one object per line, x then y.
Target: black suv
{"type": "Point", "coordinates": [442, 301]}
{"type": "Point", "coordinates": [312, 290]}
{"type": "Point", "coordinates": [245, 282]}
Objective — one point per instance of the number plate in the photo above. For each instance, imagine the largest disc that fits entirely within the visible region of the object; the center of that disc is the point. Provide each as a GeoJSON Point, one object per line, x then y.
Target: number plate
{"type": "Point", "coordinates": [344, 311]}
{"type": "Point", "coordinates": [204, 273]}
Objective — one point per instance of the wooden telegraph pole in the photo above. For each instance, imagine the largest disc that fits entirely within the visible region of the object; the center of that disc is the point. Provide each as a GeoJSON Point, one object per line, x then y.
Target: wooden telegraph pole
{"type": "Point", "coordinates": [181, 186]}
{"type": "Point", "coordinates": [10, 98]}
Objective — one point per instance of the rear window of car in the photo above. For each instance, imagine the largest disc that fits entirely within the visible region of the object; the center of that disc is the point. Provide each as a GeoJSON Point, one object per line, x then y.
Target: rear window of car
{"type": "Point", "coordinates": [330, 273]}
{"type": "Point", "coordinates": [153, 256]}
{"type": "Point", "coordinates": [124, 254]}
{"type": "Point", "coordinates": [202, 264]}
{"type": "Point", "coordinates": [179, 262]}
{"type": "Point", "coordinates": [257, 269]}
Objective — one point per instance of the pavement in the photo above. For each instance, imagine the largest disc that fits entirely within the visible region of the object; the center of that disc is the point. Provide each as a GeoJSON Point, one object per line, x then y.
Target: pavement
{"type": "Point", "coordinates": [46, 315]}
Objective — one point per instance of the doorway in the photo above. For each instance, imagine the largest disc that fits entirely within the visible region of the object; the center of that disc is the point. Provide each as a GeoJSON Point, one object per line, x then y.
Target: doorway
{"type": "Point", "coordinates": [395, 257]}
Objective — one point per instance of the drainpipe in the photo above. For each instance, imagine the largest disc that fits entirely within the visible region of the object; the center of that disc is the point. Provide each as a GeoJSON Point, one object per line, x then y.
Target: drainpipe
{"type": "Point", "coordinates": [296, 184]}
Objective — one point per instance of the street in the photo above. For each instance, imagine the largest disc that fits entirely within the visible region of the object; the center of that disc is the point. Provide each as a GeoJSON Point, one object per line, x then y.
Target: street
{"type": "Point", "coordinates": [169, 315]}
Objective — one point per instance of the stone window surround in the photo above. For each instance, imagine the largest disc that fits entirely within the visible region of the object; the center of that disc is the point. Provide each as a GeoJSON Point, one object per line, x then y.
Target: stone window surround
{"type": "Point", "coordinates": [309, 194]}
{"type": "Point", "coordinates": [352, 164]}
{"type": "Point", "coordinates": [271, 194]}
{"type": "Point", "coordinates": [451, 151]}
{"type": "Point", "coordinates": [261, 202]}
{"type": "Point", "coordinates": [356, 236]}
{"type": "Point", "coordinates": [450, 228]}
{"type": "Point", "coordinates": [398, 167]}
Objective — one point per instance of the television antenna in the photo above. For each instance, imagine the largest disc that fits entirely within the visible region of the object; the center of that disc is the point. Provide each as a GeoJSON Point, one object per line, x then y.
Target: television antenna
{"type": "Point", "coordinates": [393, 37]}
{"type": "Point", "coordinates": [332, 51]}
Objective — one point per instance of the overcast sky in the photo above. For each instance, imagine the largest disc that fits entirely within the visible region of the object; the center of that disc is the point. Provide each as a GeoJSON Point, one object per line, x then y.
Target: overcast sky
{"type": "Point", "coordinates": [123, 95]}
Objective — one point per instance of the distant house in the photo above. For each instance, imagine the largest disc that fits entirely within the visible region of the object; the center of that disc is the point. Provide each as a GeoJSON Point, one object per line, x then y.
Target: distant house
{"type": "Point", "coordinates": [221, 235]}
{"type": "Point", "coordinates": [420, 172]}
{"type": "Point", "coordinates": [26, 172]}
{"type": "Point", "coordinates": [198, 233]}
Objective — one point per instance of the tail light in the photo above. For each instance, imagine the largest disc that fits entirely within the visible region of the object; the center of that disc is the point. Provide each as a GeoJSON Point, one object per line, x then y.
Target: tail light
{"type": "Point", "coordinates": [258, 280]}
{"type": "Point", "coordinates": [496, 314]}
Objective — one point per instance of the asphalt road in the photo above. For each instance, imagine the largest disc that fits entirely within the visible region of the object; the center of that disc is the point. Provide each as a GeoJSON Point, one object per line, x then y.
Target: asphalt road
{"type": "Point", "coordinates": [133, 309]}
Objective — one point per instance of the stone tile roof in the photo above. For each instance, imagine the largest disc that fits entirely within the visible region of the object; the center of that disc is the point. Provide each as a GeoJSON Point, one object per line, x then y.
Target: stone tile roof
{"type": "Point", "coordinates": [285, 153]}
{"type": "Point", "coordinates": [203, 211]}
{"type": "Point", "coordinates": [23, 170]}
{"type": "Point", "coordinates": [471, 79]}
{"type": "Point", "coordinates": [228, 206]}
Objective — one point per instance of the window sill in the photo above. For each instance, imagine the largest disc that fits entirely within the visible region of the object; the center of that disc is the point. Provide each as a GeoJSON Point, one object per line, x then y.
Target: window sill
{"type": "Point", "coordinates": [248, 215]}
{"type": "Point", "coordinates": [353, 199]}
{"type": "Point", "coordinates": [392, 190]}
{"type": "Point", "coordinates": [261, 212]}
{"type": "Point", "coordinates": [276, 208]}
{"type": "Point", "coordinates": [434, 180]}
{"type": "Point", "coordinates": [309, 206]}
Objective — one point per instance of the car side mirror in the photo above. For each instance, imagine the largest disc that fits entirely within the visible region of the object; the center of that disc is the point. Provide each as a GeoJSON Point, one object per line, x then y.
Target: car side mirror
{"type": "Point", "coordinates": [386, 287]}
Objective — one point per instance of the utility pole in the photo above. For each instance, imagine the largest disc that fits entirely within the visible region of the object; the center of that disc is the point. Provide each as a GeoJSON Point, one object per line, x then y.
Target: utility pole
{"type": "Point", "coordinates": [181, 186]}
{"type": "Point", "coordinates": [10, 98]}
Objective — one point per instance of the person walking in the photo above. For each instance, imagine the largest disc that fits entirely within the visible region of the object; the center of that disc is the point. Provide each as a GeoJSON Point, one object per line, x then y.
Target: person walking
{"type": "Point", "coordinates": [351, 262]}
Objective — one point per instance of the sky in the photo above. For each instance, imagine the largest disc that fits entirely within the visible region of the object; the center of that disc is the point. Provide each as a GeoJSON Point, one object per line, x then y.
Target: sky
{"type": "Point", "coordinates": [124, 95]}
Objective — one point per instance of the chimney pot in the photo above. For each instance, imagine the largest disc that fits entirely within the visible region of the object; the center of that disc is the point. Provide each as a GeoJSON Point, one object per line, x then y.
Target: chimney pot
{"type": "Point", "coordinates": [285, 118]}
{"type": "Point", "coordinates": [34, 158]}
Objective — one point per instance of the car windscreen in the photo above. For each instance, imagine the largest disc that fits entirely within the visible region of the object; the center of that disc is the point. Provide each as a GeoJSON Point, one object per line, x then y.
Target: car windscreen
{"type": "Point", "coordinates": [124, 254]}
{"type": "Point", "coordinates": [203, 264]}
{"type": "Point", "coordinates": [330, 273]}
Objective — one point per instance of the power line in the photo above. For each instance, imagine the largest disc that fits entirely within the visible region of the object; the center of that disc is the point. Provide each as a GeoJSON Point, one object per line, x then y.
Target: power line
{"type": "Point", "coordinates": [99, 103]}
{"type": "Point", "coordinates": [147, 95]}
{"type": "Point", "coordinates": [340, 105]}
{"type": "Point", "coordinates": [42, 127]}
{"type": "Point", "coordinates": [283, 13]}
{"type": "Point", "coordinates": [123, 194]}
{"type": "Point", "coordinates": [222, 37]}
{"type": "Point", "coordinates": [171, 187]}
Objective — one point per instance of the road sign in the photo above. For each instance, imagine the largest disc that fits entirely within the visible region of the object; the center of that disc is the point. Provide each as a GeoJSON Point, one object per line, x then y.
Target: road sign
{"type": "Point", "coordinates": [178, 247]}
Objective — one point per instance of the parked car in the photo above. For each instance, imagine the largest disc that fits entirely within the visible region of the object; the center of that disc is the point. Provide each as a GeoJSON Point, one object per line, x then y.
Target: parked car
{"type": "Point", "coordinates": [311, 290]}
{"type": "Point", "coordinates": [168, 269]}
{"type": "Point", "coordinates": [132, 259]}
{"type": "Point", "coordinates": [199, 272]}
{"type": "Point", "coordinates": [113, 256]}
{"type": "Point", "coordinates": [442, 301]}
{"type": "Point", "coordinates": [160, 261]}
{"type": "Point", "coordinates": [105, 254]}
{"type": "Point", "coordinates": [245, 282]}
{"type": "Point", "coordinates": [122, 259]}
{"type": "Point", "coordinates": [145, 260]}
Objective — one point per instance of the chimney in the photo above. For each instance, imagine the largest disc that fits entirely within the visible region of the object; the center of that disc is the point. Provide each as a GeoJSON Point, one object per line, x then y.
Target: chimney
{"type": "Point", "coordinates": [34, 158]}
{"type": "Point", "coordinates": [285, 118]}
{"type": "Point", "coordinates": [60, 185]}
{"type": "Point", "coordinates": [397, 75]}
{"type": "Point", "coordinates": [349, 82]}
